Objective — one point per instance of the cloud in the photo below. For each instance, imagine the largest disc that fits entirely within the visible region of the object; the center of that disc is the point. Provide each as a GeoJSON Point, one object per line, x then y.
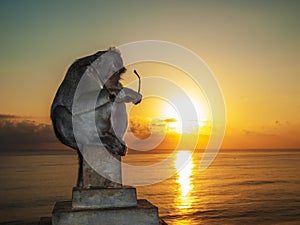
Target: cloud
{"type": "Point", "coordinates": [24, 134]}
{"type": "Point", "coordinates": [170, 120]}
{"type": "Point", "coordinates": [257, 133]}
{"type": "Point", "coordinates": [8, 116]}
{"type": "Point", "coordinates": [17, 133]}
{"type": "Point", "coordinates": [144, 127]}
{"type": "Point", "coordinates": [139, 127]}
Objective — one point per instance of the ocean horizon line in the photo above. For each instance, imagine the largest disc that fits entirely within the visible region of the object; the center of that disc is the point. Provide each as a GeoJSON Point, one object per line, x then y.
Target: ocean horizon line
{"type": "Point", "coordinates": [132, 151]}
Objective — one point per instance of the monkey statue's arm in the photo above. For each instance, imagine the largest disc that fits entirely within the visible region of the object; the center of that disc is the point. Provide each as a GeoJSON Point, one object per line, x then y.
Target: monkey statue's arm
{"type": "Point", "coordinates": [128, 95]}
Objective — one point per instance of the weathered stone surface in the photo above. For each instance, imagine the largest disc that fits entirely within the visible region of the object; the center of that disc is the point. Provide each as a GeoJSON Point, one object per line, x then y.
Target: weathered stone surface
{"type": "Point", "coordinates": [47, 221]}
{"type": "Point", "coordinates": [107, 168]}
{"type": "Point", "coordinates": [103, 197]}
{"type": "Point", "coordinates": [85, 88]}
{"type": "Point", "coordinates": [143, 213]}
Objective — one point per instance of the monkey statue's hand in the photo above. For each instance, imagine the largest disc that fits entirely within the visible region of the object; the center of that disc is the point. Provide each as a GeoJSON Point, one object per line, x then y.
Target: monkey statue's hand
{"type": "Point", "coordinates": [113, 144]}
{"type": "Point", "coordinates": [129, 95]}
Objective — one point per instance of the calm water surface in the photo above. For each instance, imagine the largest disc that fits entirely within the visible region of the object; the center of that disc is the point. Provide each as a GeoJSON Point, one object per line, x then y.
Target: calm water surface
{"type": "Point", "coordinates": [240, 187]}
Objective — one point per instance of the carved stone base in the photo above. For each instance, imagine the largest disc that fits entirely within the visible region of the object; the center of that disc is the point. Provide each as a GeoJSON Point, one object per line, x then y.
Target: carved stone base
{"type": "Point", "coordinates": [104, 206]}
{"type": "Point", "coordinates": [48, 221]}
{"type": "Point", "coordinates": [103, 197]}
{"type": "Point", "coordinates": [143, 213]}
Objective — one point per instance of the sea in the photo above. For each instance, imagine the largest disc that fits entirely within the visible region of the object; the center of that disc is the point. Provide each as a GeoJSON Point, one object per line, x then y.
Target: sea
{"type": "Point", "coordinates": [239, 187]}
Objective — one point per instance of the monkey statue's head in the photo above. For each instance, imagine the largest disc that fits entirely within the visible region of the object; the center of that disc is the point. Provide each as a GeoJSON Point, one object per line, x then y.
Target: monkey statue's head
{"type": "Point", "coordinates": [108, 68]}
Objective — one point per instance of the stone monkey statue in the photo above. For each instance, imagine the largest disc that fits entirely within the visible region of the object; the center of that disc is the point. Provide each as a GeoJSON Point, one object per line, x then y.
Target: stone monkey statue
{"type": "Point", "coordinates": [102, 72]}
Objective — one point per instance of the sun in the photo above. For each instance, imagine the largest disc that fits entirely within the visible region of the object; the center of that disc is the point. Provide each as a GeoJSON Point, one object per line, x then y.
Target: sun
{"type": "Point", "coordinates": [172, 119]}
{"type": "Point", "coordinates": [188, 120]}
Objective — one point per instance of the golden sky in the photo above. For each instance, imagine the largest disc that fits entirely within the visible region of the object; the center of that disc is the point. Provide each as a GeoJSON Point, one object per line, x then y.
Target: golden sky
{"type": "Point", "coordinates": [252, 47]}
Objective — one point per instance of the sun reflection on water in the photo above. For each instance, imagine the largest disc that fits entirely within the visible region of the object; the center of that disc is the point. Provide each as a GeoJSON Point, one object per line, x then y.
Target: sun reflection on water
{"type": "Point", "coordinates": [184, 166]}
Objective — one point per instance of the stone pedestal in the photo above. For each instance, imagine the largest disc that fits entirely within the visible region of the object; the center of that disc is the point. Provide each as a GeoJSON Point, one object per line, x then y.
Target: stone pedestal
{"type": "Point", "coordinates": [143, 213]}
{"type": "Point", "coordinates": [94, 198]}
{"type": "Point", "coordinates": [106, 169]}
{"type": "Point", "coordinates": [105, 206]}
{"type": "Point", "coordinates": [103, 200]}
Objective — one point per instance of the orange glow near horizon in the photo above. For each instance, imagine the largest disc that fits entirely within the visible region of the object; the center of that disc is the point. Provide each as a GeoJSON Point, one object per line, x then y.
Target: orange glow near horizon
{"type": "Point", "coordinates": [182, 113]}
{"type": "Point", "coordinates": [153, 116]}
{"type": "Point", "coordinates": [261, 90]}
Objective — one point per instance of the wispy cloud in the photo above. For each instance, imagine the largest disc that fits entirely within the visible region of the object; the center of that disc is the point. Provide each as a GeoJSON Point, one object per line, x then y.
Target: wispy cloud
{"type": "Point", "coordinates": [170, 120]}
{"type": "Point", "coordinates": [8, 116]}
